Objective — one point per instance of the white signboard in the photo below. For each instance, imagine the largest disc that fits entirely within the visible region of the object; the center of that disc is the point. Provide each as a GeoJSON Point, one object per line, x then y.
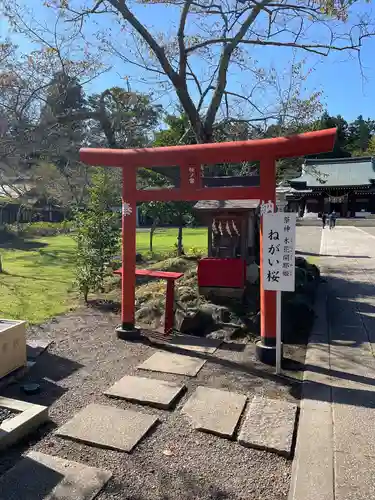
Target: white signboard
{"type": "Point", "coordinates": [279, 242]}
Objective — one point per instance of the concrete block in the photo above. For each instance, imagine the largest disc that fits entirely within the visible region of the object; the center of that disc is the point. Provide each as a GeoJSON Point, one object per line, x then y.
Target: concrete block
{"type": "Point", "coordinates": [312, 473]}
{"type": "Point", "coordinates": [12, 345]}
{"type": "Point", "coordinates": [29, 417]}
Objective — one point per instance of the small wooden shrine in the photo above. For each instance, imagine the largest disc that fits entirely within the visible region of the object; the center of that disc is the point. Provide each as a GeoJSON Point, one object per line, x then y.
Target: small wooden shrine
{"type": "Point", "coordinates": [233, 240]}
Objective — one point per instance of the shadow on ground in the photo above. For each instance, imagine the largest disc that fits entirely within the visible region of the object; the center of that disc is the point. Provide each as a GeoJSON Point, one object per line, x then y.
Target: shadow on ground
{"type": "Point", "coordinates": [350, 322]}
{"type": "Point", "coordinates": [312, 254]}
{"type": "Point", "coordinates": [48, 370]}
{"type": "Point", "coordinates": [18, 243]}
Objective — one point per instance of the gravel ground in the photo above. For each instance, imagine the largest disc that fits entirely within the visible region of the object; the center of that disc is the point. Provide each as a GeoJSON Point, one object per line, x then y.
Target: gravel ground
{"type": "Point", "coordinates": [5, 413]}
{"type": "Point", "coordinates": [173, 462]}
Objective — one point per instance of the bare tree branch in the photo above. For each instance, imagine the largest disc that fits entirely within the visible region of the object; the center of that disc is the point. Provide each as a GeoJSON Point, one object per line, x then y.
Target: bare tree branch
{"type": "Point", "coordinates": [315, 48]}
{"type": "Point", "coordinates": [226, 54]}
{"type": "Point", "coordinates": [181, 41]}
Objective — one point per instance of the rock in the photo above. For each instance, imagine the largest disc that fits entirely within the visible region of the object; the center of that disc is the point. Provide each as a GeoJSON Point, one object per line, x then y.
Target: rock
{"type": "Point", "coordinates": [226, 333]}
{"type": "Point", "coordinates": [219, 314]}
{"type": "Point", "coordinates": [301, 262]}
{"type": "Point", "coordinates": [314, 270]}
{"type": "Point", "coordinates": [252, 273]}
{"type": "Point", "coordinates": [300, 279]}
{"type": "Point", "coordinates": [254, 325]}
{"type": "Point", "coordinates": [187, 294]}
{"type": "Point", "coordinates": [193, 321]}
{"type": "Point", "coordinates": [297, 318]}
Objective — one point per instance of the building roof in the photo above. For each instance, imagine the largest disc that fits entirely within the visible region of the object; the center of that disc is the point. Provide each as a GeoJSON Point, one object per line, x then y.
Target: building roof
{"type": "Point", "coordinates": [336, 172]}
{"type": "Point", "coordinates": [211, 205]}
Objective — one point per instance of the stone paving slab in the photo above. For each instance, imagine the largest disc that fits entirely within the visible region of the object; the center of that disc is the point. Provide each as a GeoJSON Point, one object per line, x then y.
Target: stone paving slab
{"type": "Point", "coordinates": [197, 344]}
{"type": "Point", "coordinates": [43, 477]}
{"type": "Point", "coordinates": [149, 391]}
{"type": "Point", "coordinates": [354, 478]}
{"type": "Point", "coordinates": [167, 362]}
{"type": "Point", "coordinates": [269, 425]}
{"type": "Point", "coordinates": [108, 427]}
{"type": "Point", "coordinates": [350, 422]}
{"type": "Point", "coordinates": [215, 411]}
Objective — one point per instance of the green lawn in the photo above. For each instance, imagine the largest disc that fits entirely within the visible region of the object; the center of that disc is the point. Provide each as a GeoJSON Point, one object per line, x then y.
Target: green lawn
{"type": "Point", "coordinates": [37, 283]}
{"type": "Point", "coordinates": [165, 239]}
{"type": "Point", "coordinates": [38, 280]}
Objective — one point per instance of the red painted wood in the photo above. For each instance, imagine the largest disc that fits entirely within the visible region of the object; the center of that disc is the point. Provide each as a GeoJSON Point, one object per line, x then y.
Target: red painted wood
{"type": "Point", "coordinates": [170, 277]}
{"type": "Point", "coordinates": [279, 147]}
{"type": "Point", "coordinates": [218, 193]}
{"type": "Point", "coordinates": [167, 275]}
{"type": "Point", "coordinates": [267, 298]}
{"type": "Point", "coordinates": [128, 247]}
{"type": "Point", "coordinates": [221, 273]}
{"type": "Point", "coordinates": [169, 307]}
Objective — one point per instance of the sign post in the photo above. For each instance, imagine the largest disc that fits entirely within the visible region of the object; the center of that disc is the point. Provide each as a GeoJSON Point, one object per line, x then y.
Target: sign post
{"type": "Point", "coordinates": [279, 242]}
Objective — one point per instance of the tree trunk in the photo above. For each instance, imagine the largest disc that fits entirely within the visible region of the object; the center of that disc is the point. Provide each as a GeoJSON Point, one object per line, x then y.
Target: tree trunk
{"type": "Point", "coordinates": [180, 248]}
{"type": "Point", "coordinates": [152, 230]}
{"type": "Point", "coordinates": [19, 213]}
{"type": "Point", "coordinates": [86, 294]}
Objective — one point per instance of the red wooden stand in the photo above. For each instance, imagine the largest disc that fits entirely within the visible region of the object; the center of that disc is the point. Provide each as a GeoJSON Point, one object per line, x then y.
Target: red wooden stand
{"type": "Point", "coordinates": [169, 297]}
{"type": "Point", "coordinates": [190, 160]}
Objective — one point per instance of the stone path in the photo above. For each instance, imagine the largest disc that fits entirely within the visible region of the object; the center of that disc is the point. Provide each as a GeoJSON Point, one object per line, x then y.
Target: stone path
{"type": "Point", "coordinates": [210, 410]}
{"type": "Point", "coordinates": [335, 452]}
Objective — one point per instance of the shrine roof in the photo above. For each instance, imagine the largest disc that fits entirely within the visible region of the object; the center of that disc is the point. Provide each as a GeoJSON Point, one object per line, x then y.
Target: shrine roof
{"type": "Point", "coordinates": [211, 205]}
{"type": "Point", "coordinates": [336, 172]}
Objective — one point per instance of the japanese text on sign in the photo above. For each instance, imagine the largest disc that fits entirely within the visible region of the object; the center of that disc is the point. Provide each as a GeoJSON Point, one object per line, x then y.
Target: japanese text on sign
{"type": "Point", "coordinates": [279, 234]}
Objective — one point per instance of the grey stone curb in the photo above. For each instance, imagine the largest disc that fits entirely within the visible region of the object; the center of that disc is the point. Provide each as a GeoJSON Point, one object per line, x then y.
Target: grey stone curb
{"type": "Point", "coordinates": [313, 464]}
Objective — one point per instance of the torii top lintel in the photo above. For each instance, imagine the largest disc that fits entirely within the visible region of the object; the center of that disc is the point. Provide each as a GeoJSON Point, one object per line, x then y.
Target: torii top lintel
{"type": "Point", "coordinates": [190, 158]}
{"type": "Point", "coordinates": [279, 147]}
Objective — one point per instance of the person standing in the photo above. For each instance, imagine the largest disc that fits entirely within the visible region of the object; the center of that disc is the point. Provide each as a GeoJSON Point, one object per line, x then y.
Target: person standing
{"type": "Point", "coordinates": [324, 220]}
{"type": "Point", "coordinates": [332, 219]}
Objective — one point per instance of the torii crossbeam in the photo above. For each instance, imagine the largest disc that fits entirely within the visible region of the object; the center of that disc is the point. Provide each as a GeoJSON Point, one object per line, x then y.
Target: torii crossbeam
{"type": "Point", "coordinates": [190, 159]}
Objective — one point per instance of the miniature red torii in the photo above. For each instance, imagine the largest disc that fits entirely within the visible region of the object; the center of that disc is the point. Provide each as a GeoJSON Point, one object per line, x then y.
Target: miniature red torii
{"type": "Point", "coordinates": [190, 158]}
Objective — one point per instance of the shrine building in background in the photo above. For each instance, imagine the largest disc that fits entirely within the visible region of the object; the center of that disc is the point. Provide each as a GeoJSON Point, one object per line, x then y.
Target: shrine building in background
{"type": "Point", "coordinates": [345, 185]}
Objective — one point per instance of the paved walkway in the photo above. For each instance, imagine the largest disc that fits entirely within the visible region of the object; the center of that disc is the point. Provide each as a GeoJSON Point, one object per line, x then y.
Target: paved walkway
{"type": "Point", "coordinates": [335, 452]}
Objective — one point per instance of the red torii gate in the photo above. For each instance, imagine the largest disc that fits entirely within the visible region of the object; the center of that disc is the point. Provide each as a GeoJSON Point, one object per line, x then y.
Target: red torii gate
{"type": "Point", "coordinates": [189, 159]}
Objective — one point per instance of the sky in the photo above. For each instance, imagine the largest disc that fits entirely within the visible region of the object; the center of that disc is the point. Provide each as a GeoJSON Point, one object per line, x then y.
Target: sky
{"type": "Point", "coordinates": [347, 88]}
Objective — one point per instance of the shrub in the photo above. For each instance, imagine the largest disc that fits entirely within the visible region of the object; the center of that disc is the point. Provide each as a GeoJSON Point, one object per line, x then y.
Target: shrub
{"type": "Point", "coordinates": [41, 229]}
{"type": "Point", "coordinates": [97, 236]}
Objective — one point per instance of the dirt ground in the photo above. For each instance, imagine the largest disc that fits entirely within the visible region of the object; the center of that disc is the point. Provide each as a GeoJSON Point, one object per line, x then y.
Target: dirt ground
{"type": "Point", "coordinates": [174, 462]}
